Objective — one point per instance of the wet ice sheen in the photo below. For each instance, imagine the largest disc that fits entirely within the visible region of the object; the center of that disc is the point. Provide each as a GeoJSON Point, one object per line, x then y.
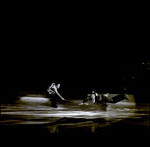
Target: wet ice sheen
{"type": "Point", "coordinates": [37, 110]}
{"type": "Point", "coordinates": [40, 107]}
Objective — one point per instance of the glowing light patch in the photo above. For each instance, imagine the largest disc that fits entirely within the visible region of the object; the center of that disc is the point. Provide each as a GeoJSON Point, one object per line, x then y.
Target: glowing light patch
{"type": "Point", "coordinates": [35, 99]}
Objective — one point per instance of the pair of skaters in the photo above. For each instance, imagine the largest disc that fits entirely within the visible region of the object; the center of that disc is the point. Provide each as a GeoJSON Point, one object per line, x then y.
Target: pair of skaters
{"type": "Point", "coordinates": [103, 98]}
{"type": "Point", "coordinates": [94, 97]}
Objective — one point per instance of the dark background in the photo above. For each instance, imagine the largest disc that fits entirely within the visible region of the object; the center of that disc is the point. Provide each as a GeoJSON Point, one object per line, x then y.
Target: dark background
{"type": "Point", "coordinates": [78, 69]}
{"type": "Point", "coordinates": [82, 53]}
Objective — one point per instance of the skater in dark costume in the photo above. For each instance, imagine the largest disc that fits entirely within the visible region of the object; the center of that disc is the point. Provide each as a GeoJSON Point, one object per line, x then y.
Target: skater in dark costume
{"type": "Point", "coordinates": [52, 90]}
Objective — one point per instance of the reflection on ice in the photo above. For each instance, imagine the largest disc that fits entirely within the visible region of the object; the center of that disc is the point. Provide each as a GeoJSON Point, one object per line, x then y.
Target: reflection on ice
{"type": "Point", "coordinates": [34, 99]}
{"type": "Point", "coordinates": [31, 110]}
{"type": "Point", "coordinates": [38, 106]}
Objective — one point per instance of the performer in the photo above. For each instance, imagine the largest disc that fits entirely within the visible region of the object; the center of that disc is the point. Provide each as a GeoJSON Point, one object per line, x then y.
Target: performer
{"type": "Point", "coordinates": [94, 97]}
{"type": "Point", "coordinates": [52, 90]}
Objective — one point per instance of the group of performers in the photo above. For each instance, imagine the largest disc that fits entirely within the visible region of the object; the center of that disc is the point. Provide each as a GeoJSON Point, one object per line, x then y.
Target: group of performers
{"type": "Point", "coordinates": [94, 97]}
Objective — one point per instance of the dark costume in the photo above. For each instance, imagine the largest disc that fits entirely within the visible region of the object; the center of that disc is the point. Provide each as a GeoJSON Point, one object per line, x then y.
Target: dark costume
{"type": "Point", "coordinates": [54, 100]}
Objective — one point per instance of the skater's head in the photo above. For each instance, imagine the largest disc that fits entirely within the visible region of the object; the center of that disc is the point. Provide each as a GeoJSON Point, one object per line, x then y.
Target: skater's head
{"type": "Point", "coordinates": [58, 85]}
{"type": "Point", "coordinates": [93, 91]}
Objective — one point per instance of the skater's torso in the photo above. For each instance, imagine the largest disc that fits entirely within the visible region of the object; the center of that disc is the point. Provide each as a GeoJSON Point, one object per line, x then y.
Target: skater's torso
{"type": "Point", "coordinates": [94, 97]}
{"type": "Point", "coordinates": [52, 89]}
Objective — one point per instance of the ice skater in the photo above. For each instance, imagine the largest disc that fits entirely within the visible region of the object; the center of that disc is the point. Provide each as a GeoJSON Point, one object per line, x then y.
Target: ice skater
{"type": "Point", "coordinates": [94, 97]}
{"type": "Point", "coordinates": [54, 94]}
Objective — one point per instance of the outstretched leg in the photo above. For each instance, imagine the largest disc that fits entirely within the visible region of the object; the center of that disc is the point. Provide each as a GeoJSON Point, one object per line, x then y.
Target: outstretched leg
{"type": "Point", "coordinates": [119, 97]}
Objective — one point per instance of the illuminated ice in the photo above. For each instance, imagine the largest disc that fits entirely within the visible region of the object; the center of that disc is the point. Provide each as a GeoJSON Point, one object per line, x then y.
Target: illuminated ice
{"type": "Point", "coordinates": [35, 99]}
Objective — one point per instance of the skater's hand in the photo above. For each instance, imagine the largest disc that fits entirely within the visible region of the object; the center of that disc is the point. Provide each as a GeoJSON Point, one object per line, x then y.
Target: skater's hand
{"type": "Point", "coordinates": [62, 98]}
